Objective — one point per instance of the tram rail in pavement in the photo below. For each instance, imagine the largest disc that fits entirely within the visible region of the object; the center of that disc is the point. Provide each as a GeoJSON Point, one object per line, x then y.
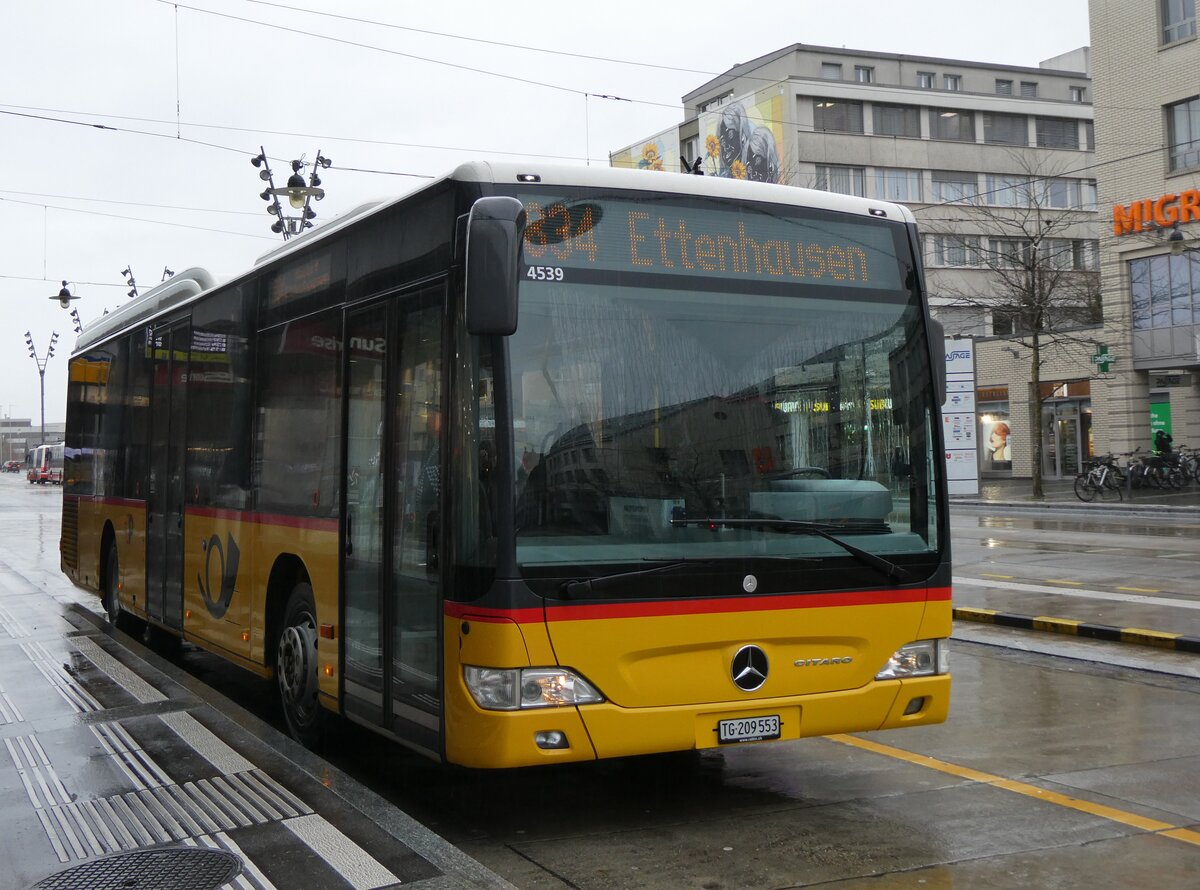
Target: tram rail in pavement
{"type": "Point", "coordinates": [114, 763]}
{"type": "Point", "coordinates": [1015, 496]}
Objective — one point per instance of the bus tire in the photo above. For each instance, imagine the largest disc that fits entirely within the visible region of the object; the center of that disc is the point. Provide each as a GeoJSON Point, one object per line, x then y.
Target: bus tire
{"type": "Point", "coordinates": [296, 668]}
{"type": "Point", "coordinates": [117, 616]}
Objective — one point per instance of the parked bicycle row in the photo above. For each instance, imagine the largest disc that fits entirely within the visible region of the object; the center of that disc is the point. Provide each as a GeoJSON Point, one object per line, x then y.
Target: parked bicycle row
{"type": "Point", "coordinates": [1107, 476]}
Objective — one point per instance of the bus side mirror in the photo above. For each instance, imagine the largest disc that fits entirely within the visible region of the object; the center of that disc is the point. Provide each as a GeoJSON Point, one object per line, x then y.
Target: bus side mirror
{"type": "Point", "coordinates": [937, 341]}
{"type": "Point", "coordinates": [495, 232]}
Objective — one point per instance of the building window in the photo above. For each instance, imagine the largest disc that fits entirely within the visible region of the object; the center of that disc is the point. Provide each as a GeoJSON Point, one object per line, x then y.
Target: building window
{"type": "Point", "coordinates": [1003, 87]}
{"type": "Point", "coordinates": [843, 180]}
{"type": "Point", "coordinates": [713, 104]}
{"type": "Point", "coordinates": [1065, 194]}
{"type": "Point", "coordinates": [1089, 135]}
{"type": "Point", "coordinates": [961, 321]}
{"type": "Point", "coordinates": [1005, 129]}
{"type": "Point", "coordinates": [925, 80]}
{"type": "Point", "coordinates": [835, 114]}
{"type": "Point", "coordinates": [952, 82]}
{"type": "Point", "coordinates": [897, 120]}
{"type": "Point", "coordinates": [1006, 191]}
{"type": "Point", "coordinates": [897, 185]}
{"type": "Point", "coordinates": [1178, 19]}
{"type": "Point", "coordinates": [831, 71]}
{"type": "Point", "coordinates": [1183, 134]}
{"type": "Point", "coordinates": [956, 251]}
{"type": "Point", "coordinates": [1078, 94]}
{"type": "Point", "coordinates": [689, 148]}
{"type": "Point", "coordinates": [864, 74]}
{"type": "Point", "coordinates": [955, 187]}
{"type": "Point", "coordinates": [1010, 253]}
{"type": "Point", "coordinates": [947, 123]}
{"type": "Point", "coordinates": [1055, 132]}
{"type": "Point", "coordinates": [1165, 290]}
{"type": "Point", "coordinates": [1029, 89]}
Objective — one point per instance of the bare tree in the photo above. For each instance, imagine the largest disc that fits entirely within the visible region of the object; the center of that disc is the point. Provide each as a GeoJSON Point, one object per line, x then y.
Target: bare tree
{"type": "Point", "coordinates": [1035, 241]}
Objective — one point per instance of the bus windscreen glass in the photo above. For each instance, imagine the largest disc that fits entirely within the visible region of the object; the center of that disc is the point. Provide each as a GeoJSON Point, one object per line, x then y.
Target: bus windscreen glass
{"type": "Point", "coordinates": [674, 363]}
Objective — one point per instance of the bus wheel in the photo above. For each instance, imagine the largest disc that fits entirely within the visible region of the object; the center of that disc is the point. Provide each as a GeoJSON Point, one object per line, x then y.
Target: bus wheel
{"type": "Point", "coordinates": [119, 618]}
{"type": "Point", "coordinates": [296, 668]}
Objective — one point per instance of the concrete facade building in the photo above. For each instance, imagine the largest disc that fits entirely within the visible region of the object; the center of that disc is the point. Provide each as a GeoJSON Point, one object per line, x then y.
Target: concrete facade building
{"type": "Point", "coordinates": [1145, 58]}
{"type": "Point", "coordinates": [970, 147]}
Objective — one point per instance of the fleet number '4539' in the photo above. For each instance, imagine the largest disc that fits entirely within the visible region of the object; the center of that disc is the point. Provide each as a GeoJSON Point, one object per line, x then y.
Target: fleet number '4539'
{"type": "Point", "coordinates": [545, 273]}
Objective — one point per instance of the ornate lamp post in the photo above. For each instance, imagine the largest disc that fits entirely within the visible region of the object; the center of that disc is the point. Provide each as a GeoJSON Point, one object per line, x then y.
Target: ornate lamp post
{"type": "Point", "coordinates": [299, 194]}
{"type": "Point", "coordinates": [41, 362]}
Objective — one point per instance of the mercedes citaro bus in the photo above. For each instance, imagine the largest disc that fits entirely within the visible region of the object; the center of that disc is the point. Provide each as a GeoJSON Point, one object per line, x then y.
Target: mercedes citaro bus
{"type": "Point", "coordinates": [538, 464]}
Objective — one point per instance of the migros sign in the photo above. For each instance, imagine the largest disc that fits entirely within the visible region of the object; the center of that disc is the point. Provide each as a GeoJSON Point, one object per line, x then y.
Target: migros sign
{"type": "Point", "coordinates": [1150, 213]}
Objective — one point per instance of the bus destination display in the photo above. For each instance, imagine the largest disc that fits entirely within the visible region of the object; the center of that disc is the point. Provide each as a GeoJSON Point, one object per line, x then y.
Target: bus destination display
{"type": "Point", "coordinates": [628, 236]}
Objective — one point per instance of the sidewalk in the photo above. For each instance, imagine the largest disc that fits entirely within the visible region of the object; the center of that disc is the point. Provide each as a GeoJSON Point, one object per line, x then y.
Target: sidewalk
{"type": "Point", "coordinates": [118, 769]}
{"type": "Point", "coordinates": [1060, 494]}
{"type": "Point", "coordinates": [1059, 497]}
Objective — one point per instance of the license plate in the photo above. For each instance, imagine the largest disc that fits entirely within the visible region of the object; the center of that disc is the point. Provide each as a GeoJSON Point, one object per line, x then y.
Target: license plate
{"type": "Point", "coordinates": [748, 729]}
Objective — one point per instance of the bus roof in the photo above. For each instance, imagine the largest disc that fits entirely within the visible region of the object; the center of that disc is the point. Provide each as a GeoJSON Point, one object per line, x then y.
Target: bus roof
{"type": "Point", "coordinates": [191, 283]}
{"type": "Point", "coordinates": [679, 183]}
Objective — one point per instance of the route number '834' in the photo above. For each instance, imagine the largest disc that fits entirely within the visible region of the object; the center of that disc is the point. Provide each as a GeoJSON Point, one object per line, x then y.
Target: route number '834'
{"type": "Point", "coordinates": [545, 273]}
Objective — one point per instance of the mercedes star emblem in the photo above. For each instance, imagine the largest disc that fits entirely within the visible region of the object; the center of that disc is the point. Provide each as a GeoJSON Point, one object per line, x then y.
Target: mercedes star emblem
{"type": "Point", "coordinates": [749, 668]}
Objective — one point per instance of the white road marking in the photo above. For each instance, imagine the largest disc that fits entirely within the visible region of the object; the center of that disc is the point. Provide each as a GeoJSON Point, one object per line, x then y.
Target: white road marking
{"type": "Point", "coordinates": [1082, 593]}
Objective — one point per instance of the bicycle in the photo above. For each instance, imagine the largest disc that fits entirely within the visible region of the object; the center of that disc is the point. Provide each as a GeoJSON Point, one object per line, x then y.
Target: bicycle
{"type": "Point", "coordinates": [1101, 478]}
{"type": "Point", "coordinates": [1189, 463]}
{"type": "Point", "coordinates": [1162, 471]}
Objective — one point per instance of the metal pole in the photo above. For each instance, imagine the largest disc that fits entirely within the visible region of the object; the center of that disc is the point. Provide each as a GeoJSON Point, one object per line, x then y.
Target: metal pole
{"type": "Point", "coordinates": [42, 377]}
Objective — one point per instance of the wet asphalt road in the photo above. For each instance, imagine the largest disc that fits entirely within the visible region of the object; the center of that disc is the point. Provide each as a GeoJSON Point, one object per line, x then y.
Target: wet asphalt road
{"type": "Point", "coordinates": [1052, 771]}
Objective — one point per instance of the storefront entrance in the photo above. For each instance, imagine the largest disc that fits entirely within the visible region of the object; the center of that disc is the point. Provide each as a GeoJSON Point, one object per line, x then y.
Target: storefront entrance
{"type": "Point", "coordinates": [1066, 437]}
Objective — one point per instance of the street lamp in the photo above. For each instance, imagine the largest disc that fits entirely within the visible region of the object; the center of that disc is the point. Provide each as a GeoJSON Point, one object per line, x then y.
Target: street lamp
{"type": "Point", "coordinates": [41, 366]}
{"type": "Point", "coordinates": [64, 297]}
{"type": "Point", "coordinates": [299, 194]}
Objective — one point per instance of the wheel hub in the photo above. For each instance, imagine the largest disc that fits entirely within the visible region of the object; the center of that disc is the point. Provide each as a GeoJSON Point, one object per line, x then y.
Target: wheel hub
{"type": "Point", "coordinates": [297, 663]}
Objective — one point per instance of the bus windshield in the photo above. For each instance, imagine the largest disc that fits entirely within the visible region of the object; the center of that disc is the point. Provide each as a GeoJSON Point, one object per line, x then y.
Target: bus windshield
{"type": "Point", "coordinates": [678, 372]}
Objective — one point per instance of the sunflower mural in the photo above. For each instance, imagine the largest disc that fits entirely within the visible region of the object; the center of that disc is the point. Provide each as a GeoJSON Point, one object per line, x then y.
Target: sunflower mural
{"type": "Point", "coordinates": [743, 139]}
{"type": "Point", "coordinates": [652, 158]}
{"type": "Point", "coordinates": [658, 152]}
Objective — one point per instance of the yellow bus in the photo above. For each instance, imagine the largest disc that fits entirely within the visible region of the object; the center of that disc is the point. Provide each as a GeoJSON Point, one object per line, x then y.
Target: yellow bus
{"type": "Point", "coordinates": [538, 464]}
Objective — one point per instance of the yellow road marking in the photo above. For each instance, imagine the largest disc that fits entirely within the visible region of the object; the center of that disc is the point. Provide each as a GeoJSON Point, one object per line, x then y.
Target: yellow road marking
{"type": "Point", "coordinates": [988, 615]}
{"type": "Point", "coordinates": [1140, 589]}
{"type": "Point", "coordinates": [1060, 625]}
{"type": "Point", "coordinates": [1153, 637]}
{"type": "Point", "coordinates": [1165, 829]}
{"type": "Point", "coordinates": [1063, 581]}
{"type": "Point", "coordinates": [990, 575]}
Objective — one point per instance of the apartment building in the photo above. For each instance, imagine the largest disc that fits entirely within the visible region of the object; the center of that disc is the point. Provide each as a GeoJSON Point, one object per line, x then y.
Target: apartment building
{"type": "Point", "coordinates": [976, 150]}
{"type": "Point", "coordinates": [1145, 58]}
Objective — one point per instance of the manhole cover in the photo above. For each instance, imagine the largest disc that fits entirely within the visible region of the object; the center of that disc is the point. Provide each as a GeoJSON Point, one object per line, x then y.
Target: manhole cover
{"type": "Point", "coordinates": [165, 868]}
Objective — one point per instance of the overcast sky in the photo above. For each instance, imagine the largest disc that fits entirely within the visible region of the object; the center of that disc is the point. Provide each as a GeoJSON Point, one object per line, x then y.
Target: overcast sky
{"type": "Point", "coordinates": [391, 92]}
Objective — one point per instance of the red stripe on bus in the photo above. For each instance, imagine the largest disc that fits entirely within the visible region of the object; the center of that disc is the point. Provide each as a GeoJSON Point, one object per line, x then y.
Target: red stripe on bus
{"type": "Point", "coordinates": [597, 611]}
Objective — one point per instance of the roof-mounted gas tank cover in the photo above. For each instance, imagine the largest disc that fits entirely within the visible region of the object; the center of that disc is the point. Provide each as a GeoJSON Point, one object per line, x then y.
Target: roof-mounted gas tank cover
{"type": "Point", "coordinates": [495, 232]}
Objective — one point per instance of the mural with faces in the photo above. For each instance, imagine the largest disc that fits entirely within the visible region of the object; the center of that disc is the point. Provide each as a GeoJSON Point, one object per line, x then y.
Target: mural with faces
{"type": "Point", "coordinates": [743, 139]}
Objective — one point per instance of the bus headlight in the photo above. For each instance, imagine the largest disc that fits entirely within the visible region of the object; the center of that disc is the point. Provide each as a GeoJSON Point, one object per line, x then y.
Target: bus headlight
{"type": "Point", "coordinates": [511, 689]}
{"type": "Point", "coordinates": [923, 658]}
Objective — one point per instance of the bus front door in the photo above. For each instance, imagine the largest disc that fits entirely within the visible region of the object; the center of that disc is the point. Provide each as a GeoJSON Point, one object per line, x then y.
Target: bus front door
{"type": "Point", "coordinates": [165, 490]}
{"type": "Point", "coordinates": [392, 485]}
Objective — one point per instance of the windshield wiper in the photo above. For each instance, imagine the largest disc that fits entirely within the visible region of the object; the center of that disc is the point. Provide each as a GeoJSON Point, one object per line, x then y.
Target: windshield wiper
{"type": "Point", "coordinates": [580, 586]}
{"type": "Point", "coordinates": [886, 567]}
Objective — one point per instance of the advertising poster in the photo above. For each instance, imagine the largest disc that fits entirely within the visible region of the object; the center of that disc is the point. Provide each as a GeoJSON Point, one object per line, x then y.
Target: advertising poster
{"type": "Point", "coordinates": [996, 436]}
